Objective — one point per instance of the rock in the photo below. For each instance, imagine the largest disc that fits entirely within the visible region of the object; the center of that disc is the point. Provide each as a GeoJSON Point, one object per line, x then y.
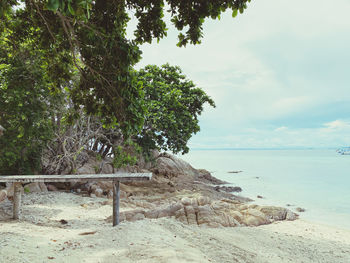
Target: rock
{"type": "Point", "coordinates": [134, 215]}
{"type": "Point", "coordinates": [259, 196]}
{"type": "Point", "coordinates": [205, 176]}
{"type": "Point", "coordinates": [237, 216]}
{"type": "Point", "coordinates": [243, 207]}
{"type": "Point", "coordinates": [93, 166]}
{"type": "Point", "coordinates": [205, 215]}
{"type": "Point", "coordinates": [204, 211]}
{"type": "Point", "coordinates": [3, 195]}
{"type": "Point", "coordinates": [203, 200]}
{"type": "Point", "coordinates": [10, 187]}
{"type": "Point", "coordinates": [43, 187]}
{"type": "Point", "coordinates": [290, 216]}
{"type": "Point", "coordinates": [110, 194]}
{"type": "Point", "coordinates": [254, 221]}
{"type": "Point", "coordinates": [32, 188]}
{"type": "Point", "coordinates": [186, 201]}
{"type": "Point", "coordinates": [75, 184]}
{"type": "Point", "coordinates": [173, 208]}
{"type": "Point", "coordinates": [228, 189]}
{"type": "Point", "coordinates": [98, 192]}
{"type": "Point", "coordinates": [277, 213]}
{"type": "Point", "coordinates": [263, 219]}
{"type": "Point", "coordinates": [152, 214]}
{"type": "Point", "coordinates": [254, 217]}
{"type": "Point", "coordinates": [163, 213]}
{"type": "Point", "coordinates": [299, 209]}
{"type": "Point", "coordinates": [51, 187]}
{"type": "Point", "coordinates": [181, 215]}
{"type": "Point", "coordinates": [191, 215]}
{"type": "Point", "coordinates": [170, 165]}
{"type": "Point", "coordinates": [104, 185]}
{"type": "Point", "coordinates": [155, 154]}
{"type": "Point", "coordinates": [138, 216]}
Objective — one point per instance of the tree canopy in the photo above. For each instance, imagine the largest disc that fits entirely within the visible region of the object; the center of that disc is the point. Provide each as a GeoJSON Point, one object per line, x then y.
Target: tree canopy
{"type": "Point", "coordinates": [173, 104]}
{"type": "Point", "coordinates": [63, 61]}
{"type": "Point", "coordinates": [94, 34]}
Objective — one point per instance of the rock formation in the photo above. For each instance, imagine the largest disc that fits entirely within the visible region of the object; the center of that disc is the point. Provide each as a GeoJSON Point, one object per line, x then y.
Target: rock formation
{"type": "Point", "coordinates": [176, 190]}
{"type": "Point", "coordinates": [203, 211]}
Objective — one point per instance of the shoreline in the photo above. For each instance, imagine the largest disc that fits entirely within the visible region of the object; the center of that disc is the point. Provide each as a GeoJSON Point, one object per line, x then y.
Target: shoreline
{"type": "Point", "coordinates": [314, 180]}
{"type": "Point", "coordinates": [69, 227]}
{"type": "Point", "coordinates": [40, 237]}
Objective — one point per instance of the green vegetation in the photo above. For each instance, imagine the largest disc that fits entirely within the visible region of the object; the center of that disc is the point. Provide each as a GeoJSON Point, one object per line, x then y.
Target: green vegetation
{"type": "Point", "coordinates": [66, 72]}
{"type": "Point", "coordinates": [173, 104]}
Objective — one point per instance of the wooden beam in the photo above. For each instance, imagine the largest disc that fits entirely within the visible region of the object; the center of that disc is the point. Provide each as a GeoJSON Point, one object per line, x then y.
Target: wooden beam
{"type": "Point", "coordinates": [122, 177]}
{"type": "Point", "coordinates": [116, 199]}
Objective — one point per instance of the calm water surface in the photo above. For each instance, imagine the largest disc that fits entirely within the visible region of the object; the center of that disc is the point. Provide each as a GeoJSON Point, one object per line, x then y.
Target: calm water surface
{"type": "Point", "coordinates": [317, 180]}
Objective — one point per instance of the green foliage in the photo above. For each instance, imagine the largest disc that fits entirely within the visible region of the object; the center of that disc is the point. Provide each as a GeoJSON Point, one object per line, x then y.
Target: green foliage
{"type": "Point", "coordinates": [174, 104]}
{"type": "Point", "coordinates": [94, 32]}
{"type": "Point", "coordinates": [24, 114]}
{"type": "Point", "coordinates": [26, 101]}
{"type": "Point", "coordinates": [125, 154]}
{"type": "Point", "coordinates": [80, 46]}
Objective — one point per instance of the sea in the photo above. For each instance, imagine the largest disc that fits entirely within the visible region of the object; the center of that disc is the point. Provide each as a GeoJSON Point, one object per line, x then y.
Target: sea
{"type": "Point", "coordinates": [317, 180]}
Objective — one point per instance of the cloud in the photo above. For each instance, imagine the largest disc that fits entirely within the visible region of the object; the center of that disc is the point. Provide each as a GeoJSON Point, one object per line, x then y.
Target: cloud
{"type": "Point", "coordinates": [337, 125]}
{"type": "Point", "coordinates": [280, 64]}
{"type": "Point", "coordinates": [279, 129]}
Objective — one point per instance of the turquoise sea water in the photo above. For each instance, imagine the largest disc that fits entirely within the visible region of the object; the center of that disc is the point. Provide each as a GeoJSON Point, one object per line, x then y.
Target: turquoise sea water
{"type": "Point", "coordinates": [317, 180]}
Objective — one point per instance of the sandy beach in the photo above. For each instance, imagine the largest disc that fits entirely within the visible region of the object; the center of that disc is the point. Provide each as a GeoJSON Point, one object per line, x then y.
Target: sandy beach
{"type": "Point", "coordinates": [85, 235]}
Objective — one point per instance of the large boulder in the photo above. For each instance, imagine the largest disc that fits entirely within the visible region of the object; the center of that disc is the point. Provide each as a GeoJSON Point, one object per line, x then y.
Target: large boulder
{"type": "Point", "coordinates": [94, 166]}
{"type": "Point", "coordinates": [278, 213]}
{"type": "Point", "coordinates": [170, 165]}
{"type": "Point", "coordinates": [206, 177]}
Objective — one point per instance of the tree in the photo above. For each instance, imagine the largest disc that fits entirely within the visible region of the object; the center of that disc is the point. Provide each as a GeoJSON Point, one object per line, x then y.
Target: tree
{"type": "Point", "coordinates": [26, 106]}
{"type": "Point", "coordinates": [49, 47]}
{"type": "Point", "coordinates": [95, 34]}
{"type": "Point", "coordinates": [174, 104]}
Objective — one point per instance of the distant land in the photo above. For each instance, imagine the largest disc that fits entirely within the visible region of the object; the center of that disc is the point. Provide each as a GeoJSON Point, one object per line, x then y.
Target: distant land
{"type": "Point", "coordinates": [265, 149]}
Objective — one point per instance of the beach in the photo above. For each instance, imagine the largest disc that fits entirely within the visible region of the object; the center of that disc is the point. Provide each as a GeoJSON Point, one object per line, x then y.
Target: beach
{"type": "Point", "coordinates": [40, 236]}
{"type": "Point", "coordinates": [181, 215]}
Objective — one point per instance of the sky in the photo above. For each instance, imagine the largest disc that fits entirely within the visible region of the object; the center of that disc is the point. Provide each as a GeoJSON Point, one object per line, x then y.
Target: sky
{"type": "Point", "coordinates": [279, 75]}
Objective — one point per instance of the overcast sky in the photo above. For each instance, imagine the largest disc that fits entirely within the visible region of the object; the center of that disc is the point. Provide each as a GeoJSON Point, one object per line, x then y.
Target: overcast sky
{"type": "Point", "coordinates": [279, 74]}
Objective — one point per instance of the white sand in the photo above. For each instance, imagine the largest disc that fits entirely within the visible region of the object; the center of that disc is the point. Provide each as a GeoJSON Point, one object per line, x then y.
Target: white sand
{"type": "Point", "coordinates": [40, 237]}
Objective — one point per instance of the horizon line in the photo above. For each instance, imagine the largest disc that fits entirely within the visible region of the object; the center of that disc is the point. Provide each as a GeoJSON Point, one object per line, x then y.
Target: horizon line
{"type": "Point", "coordinates": [265, 148]}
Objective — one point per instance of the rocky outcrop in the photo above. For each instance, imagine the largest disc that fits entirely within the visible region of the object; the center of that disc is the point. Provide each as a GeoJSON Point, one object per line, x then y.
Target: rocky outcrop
{"type": "Point", "coordinates": [206, 176]}
{"type": "Point", "coordinates": [169, 165]}
{"type": "Point", "coordinates": [228, 189]}
{"type": "Point", "coordinates": [203, 211]}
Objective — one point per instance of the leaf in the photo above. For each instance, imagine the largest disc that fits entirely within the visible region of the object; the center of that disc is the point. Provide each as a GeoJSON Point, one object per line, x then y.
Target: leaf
{"type": "Point", "coordinates": [71, 10]}
{"type": "Point", "coordinates": [53, 5]}
{"type": "Point", "coordinates": [234, 12]}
